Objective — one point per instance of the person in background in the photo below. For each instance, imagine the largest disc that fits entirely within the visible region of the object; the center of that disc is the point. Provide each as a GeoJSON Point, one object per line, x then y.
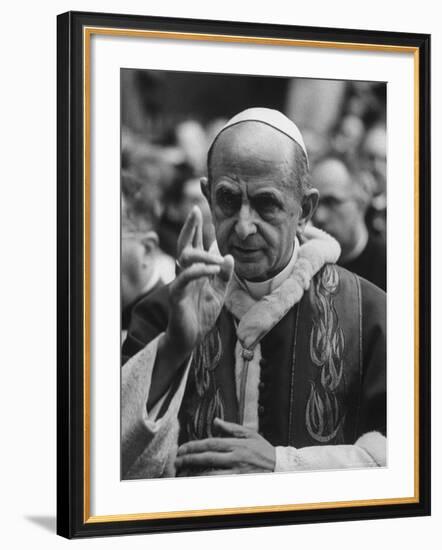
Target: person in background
{"type": "Point", "coordinates": [144, 266]}
{"type": "Point", "coordinates": [341, 212]}
{"type": "Point", "coordinates": [191, 139]}
{"type": "Point", "coordinates": [184, 193]}
{"type": "Point", "coordinates": [348, 136]}
{"type": "Point", "coordinates": [374, 160]}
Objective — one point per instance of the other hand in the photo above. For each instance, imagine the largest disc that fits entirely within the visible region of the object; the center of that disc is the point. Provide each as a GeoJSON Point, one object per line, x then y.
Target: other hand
{"type": "Point", "coordinates": [242, 451]}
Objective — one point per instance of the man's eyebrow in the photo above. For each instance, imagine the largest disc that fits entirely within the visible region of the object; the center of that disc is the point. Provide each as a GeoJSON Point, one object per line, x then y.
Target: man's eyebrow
{"type": "Point", "coordinates": [228, 186]}
{"type": "Point", "coordinates": [268, 194]}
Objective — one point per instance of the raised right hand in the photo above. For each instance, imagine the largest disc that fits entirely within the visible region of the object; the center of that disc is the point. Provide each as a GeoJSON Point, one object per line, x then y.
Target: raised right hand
{"type": "Point", "coordinates": [197, 294]}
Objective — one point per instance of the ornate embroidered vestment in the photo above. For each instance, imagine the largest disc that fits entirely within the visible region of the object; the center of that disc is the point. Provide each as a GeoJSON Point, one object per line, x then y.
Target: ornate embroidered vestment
{"type": "Point", "coordinates": [313, 377]}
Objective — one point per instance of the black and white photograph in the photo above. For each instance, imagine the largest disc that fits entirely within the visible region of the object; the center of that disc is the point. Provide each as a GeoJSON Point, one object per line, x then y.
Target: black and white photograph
{"type": "Point", "coordinates": [253, 274]}
{"type": "Point", "coordinates": [220, 253]}
{"type": "Point", "coordinates": [243, 255]}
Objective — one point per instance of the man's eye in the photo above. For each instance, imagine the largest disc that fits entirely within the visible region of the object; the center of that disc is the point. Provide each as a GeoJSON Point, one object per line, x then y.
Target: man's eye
{"type": "Point", "coordinates": [229, 202]}
{"type": "Point", "coordinates": [265, 205]}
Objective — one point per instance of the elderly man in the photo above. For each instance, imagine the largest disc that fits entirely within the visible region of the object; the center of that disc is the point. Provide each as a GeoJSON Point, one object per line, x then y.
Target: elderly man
{"type": "Point", "coordinates": [262, 355]}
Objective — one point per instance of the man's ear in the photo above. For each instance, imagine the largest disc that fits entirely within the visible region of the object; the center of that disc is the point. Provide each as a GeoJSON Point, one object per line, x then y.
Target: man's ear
{"type": "Point", "coordinates": [205, 189]}
{"type": "Point", "coordinates": [150, 242]}
{"type": "Point", "coordinates": [308, 206]}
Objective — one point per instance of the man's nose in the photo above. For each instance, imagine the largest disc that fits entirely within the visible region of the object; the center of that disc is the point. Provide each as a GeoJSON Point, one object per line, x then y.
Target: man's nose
{"type": "Point", "coordinates": [245, 225]}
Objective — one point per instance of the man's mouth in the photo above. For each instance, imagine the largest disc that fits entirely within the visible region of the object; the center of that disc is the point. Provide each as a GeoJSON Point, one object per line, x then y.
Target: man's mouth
{"type": "Point", "coordinates": [245, 252]}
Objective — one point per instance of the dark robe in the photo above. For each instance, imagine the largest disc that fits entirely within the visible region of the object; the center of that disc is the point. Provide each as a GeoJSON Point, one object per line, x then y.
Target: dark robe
{"type": "Point", "coordinates": [371, 262]}
{"type": "Point", "coordinates": [323, 367]}
{"type": "Point", "coordinates": [126, 313]}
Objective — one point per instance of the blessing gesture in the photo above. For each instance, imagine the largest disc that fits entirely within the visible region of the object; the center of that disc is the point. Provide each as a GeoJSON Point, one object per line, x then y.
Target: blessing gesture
{"type": "Point", "coordinates": [197, 294]}
{"type": "Point", "coordinates": [196, 298]}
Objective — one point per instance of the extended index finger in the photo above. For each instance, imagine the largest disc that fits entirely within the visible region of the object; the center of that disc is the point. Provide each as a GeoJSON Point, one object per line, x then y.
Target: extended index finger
{"type": "Point", "coordinates": [187, 233]}
{"type": "Point", "coordinates": [198, 235]}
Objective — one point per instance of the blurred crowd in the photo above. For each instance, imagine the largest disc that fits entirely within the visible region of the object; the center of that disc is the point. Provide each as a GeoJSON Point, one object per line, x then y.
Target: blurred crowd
{"type": "Point", "coordinates": [161, 167]}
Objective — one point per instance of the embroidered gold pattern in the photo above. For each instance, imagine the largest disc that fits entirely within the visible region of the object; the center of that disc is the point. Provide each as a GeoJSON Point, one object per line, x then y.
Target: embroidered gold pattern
{"type": "Point", "coordinates": [209, 403]}
{"type": "Point", "coordinates": [323, 415]}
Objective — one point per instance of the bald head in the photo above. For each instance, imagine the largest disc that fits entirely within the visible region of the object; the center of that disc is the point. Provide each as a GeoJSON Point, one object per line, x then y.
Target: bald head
{"type": "Point", "coordinates": [342, 202]}
{"type": "Point", "coordinates": [331, 174]}
{"type": "Point", "coordinates": [258, 146]}
{"type": "Point", "coordinates": [335, 177]}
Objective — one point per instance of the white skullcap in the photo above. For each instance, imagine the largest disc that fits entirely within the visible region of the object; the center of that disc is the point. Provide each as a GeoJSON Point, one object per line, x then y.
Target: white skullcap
{"type": "Point", "coordinates": [272, 118]}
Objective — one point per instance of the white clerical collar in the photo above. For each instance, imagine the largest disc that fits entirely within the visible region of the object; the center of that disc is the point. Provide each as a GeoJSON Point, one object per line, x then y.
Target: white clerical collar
{"type": "Point", "coordinates": [260, 289]}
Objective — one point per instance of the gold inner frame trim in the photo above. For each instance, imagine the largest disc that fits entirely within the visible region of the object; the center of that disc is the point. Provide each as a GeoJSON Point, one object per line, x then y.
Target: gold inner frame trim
{"type": "Point", "coordinates": [87, 33]}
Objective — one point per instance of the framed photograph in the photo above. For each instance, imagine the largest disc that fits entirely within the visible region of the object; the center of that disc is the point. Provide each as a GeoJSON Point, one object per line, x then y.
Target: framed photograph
{"type": "Point", "coordinates": [243, 274]}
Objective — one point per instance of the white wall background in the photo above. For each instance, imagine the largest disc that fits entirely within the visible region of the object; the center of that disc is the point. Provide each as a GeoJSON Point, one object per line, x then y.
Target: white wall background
{"type": "Point", "coordinates": [27, 279]}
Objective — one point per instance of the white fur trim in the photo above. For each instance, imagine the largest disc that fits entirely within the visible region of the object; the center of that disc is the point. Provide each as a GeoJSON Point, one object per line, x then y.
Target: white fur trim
{"type": "Point", "coordinates": [286, 459]}
{"type": "Point", "coordinates": [375, 444]}
{"type": "Point", "coordinates": [257, 318]}
{"type": "Point", "coordinates": [369, 451]}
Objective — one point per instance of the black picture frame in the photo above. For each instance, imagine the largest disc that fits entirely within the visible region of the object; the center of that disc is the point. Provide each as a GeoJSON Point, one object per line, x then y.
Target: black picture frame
{"type": "Point", "coordinates": [73, 520]}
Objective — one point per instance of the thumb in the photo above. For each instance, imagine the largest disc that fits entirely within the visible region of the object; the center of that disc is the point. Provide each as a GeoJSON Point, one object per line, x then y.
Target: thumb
{"type": "Point", "coordinates": [227, 268]}
{"type": "Point", "coordinates": [222, 279]}
{"type": "Point", "coordinates": [232, 429]}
